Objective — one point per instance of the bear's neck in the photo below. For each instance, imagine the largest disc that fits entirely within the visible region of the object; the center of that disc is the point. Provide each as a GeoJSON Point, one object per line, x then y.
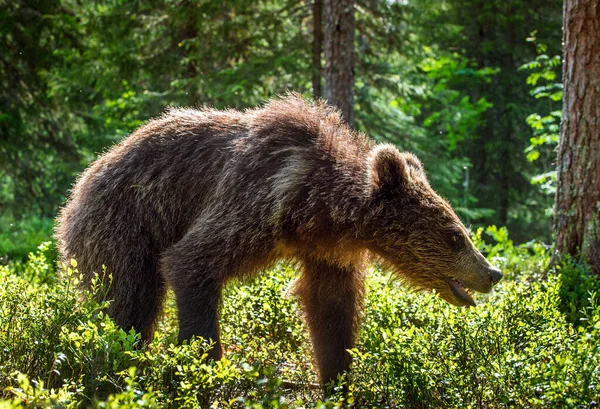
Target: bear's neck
{"type": "Point", "coordinates": [328, 200]}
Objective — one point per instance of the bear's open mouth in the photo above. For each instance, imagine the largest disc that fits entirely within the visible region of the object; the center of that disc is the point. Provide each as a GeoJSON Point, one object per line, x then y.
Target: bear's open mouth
{"type": "Point", "coordinates": [461, 293]}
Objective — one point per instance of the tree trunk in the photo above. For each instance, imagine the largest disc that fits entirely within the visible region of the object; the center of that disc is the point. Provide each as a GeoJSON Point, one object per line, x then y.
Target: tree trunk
{"type": "Point", "coordinates": [339, 56]}
{"type": "Point", "coordinates": [577, 221]}
{"type": "Point", "coordinates": [317, 69]}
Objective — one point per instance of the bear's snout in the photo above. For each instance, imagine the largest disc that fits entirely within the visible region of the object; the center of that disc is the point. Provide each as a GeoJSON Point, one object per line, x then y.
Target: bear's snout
{"type": "Point", "coordinates": [495, 275]}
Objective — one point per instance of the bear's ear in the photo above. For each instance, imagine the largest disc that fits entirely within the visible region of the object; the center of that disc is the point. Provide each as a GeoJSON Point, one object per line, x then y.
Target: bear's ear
{"type": "Point", "coordinates": [390, 169]}
{"type": "Point", "coordinates": [414, 164]}
{"type": "Point", "coordinates": [387, 168]}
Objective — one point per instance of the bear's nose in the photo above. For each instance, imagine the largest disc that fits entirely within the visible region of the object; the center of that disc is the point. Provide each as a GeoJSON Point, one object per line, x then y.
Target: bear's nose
{"type": "Point", "coordinates": [495, 275]}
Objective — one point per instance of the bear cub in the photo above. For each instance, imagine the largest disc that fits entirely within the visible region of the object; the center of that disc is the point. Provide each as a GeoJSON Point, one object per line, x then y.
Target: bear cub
{"type": "Point", "coordinates": [197, 197]}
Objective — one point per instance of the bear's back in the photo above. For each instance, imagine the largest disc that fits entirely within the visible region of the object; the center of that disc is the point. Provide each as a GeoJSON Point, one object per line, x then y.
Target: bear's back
{"type": "Point", "coordinates": [157, 183]}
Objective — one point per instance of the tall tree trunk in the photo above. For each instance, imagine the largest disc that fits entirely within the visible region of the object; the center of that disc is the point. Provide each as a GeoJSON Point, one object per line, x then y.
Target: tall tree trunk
{"type": "Point", "coordinates": [577, 221]}
{"type": "Point", "coordinates": [317, 69]}
{"type": "Point", "coordinates": [190, 32]}
{"type": "Point", "coordinates": [339, 56]}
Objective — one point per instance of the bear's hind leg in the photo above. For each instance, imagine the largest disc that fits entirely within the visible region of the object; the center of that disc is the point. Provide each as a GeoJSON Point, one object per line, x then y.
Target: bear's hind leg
{"type": "Point", "coordinates": [332, 298]}
{"type": "Point", "coordinates": [137, 297]}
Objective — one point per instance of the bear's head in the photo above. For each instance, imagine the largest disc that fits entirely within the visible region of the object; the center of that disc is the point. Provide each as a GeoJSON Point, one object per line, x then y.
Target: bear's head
{"type": "Point", "coordinates": [416, 232]}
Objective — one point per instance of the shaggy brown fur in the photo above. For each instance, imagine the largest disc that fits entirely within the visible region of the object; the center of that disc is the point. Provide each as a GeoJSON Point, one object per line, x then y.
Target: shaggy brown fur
{"type": "Point", "coordinates": [197, 197]}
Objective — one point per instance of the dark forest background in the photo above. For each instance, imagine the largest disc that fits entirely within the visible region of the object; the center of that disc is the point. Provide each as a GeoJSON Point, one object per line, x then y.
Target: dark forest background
{"type": "Point", "coordinates": [472, 87]}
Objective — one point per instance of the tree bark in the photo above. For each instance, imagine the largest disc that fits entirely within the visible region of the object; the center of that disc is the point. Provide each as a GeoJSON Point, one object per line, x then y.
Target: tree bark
{"type": "Point", "coordinates": [317, 68]}
{"type": "Point", "coordinates": [339, 56]}
{"type": "Point", "coordinates": [577, 220]}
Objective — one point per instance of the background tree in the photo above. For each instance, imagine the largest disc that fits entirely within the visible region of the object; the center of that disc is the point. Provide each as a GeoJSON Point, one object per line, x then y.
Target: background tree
{"type": "Point", "coordinates": [317, 48]}
{"type": "Point", "coordinates": [37, 150]}
{"type": "Point", "coordinates": [339, 56]}
{"type": "Point", "coordinates": [441, 80]}
{"type": "Point", "coordinates": [578, 191]}
{"type": "Point", "coordinates": [492, 35]}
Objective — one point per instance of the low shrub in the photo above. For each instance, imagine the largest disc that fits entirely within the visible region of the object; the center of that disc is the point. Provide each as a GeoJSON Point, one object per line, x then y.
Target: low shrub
{"type": "Point", "coordinates": [532, 343]}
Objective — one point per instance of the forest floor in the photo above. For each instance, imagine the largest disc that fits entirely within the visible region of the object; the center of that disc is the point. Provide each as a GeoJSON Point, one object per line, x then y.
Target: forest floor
{"type": "Point", "coordinates": [534, 342]}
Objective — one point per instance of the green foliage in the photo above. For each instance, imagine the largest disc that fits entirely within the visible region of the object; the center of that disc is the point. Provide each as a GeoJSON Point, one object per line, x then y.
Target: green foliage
{"type": "Point", "coordinates": [38, 155]}
{"type": "Point", "coordinates": [454, 114]}
{"type": "Point", "coordinates": [451, 113]}
{"type": "Point", "coordinates": [492, 35]}
{"type": "Point", "coordinates": [19, 237]}
{"type": "Point", "coordinates": [534, 342]}
{"type": "Point", "coordinates": [39, 266]}
{"type": "Point", "coordinates": [78, 76]}
{"type": "Point", "coordinates": [578, 288]}
{"type": "Point", "coordinates": [513, 353]}
{"type": "Point", "coordinates": [546, 127]}
{"type": "Point", "coordinates": [532, 257]}
{"type": "Point", "coordinates": [438, 79]}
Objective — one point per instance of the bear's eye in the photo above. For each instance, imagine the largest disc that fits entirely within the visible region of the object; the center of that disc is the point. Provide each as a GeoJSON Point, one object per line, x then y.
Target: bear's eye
{"type": "Point", "coordinates": [456, 240]}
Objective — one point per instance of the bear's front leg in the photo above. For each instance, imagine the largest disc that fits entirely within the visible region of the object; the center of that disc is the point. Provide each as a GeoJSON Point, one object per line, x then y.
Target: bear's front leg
{"type": "Point", "coordinates": [332, 297]}
{"type": "Point", "coordinates": [197, 307]}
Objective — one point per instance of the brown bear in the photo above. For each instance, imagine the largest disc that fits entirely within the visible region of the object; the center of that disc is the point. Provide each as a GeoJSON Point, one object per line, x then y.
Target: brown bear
{"type": "Point", "coordinates": [197, 197]}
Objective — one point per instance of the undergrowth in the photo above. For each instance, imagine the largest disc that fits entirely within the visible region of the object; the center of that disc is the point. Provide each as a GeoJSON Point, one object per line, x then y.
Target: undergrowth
{"type": "Point", "coordinates": [534, 342]}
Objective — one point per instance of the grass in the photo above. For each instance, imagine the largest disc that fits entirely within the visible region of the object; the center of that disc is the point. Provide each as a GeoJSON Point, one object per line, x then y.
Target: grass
{"type": "Point", "coordinates": [532, 343]}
